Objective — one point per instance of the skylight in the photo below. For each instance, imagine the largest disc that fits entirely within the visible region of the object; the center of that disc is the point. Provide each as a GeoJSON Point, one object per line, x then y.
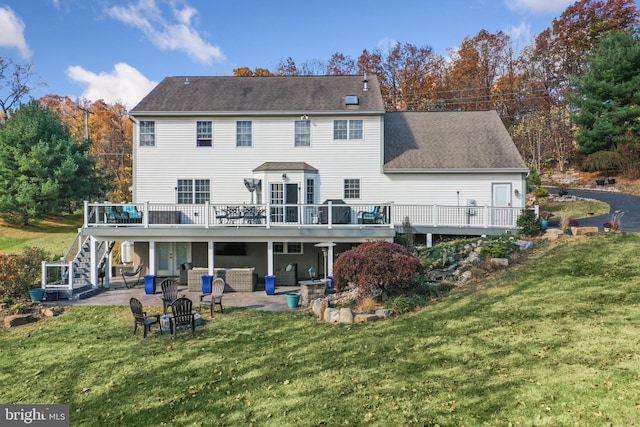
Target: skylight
{"type": "Point", "coordinates": [351, 100]}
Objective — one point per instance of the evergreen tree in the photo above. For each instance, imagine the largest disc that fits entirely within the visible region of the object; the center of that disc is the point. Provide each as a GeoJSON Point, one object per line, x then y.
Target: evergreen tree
{"type": "Point", "coordinates": [608, 96]}
{"type": "Point", "coordinates": [42, 169]}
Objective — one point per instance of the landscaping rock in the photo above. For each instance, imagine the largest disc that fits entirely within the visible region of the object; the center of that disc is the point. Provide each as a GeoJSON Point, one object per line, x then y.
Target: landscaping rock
{"type": "Point", "coordinates": [499, 262]}
{"type": "Point", "coordinates": [317, 307]}
{"type": "Point", "coordinates": [384, 313]}
{"type": "Point", "coordinates": [52, 311]}
{"type": "Point", "coordinates": [365, 318]}
{"type": "Point", "coordinates": [18, 320]}
{"type": "Point", "coordinates": [345, 315]}
{"type": "Point", "coordinates": [583, 231]}
{"type": "Point", "coordinates": [332, 315]}
{"type": "Point", "coordinates": [553, 234]}
{"type": "Point", "coordinates": [525, 245]}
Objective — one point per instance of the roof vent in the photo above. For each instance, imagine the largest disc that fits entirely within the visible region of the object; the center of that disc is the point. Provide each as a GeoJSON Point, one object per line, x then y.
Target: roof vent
{"type": "Point", "coordinates": [186, 80]}
{"type": "Point", "coordinates": [365, 83]}
{"type": "Point", "coordinates": [351, 100]}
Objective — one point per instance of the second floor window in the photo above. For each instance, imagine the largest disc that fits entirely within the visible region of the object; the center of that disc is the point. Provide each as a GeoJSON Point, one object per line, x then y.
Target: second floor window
{"type": "Point", "coordinates": [303, 133]}
{"type": "Point", "coordinates": [347, 129]}
{"type": "Point", "coordinates": [243, 134]}
{"type": "Point", "coordinates": [205, 134]}
{"type": "Point", "coordinates": [147, 133]}
{"type": "Point", "coordinates": [193, 191]}
{"type": "Point", "coordinates": [351, 188]}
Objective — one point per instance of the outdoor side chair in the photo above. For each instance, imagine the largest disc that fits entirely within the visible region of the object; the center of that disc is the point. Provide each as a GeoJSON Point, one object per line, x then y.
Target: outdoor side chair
{"type": "Point", "coordinates": [215, 297]}
{"type": "Point", "coordinates": [169, 293]}
{"type": "Point", "coordinates": [182, 315]}
{"type": "Point", "coordinates": [138, 272]}
{"type": "Point", "coordinates": [141, 318]}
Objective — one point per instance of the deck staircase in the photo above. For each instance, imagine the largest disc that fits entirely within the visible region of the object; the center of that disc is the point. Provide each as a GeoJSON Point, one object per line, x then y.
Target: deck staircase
{"type": "Point", "coordinates": [81, 286]}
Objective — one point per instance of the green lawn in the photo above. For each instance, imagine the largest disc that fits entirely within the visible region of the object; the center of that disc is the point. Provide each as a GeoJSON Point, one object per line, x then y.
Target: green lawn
{"type": "Point", "coordinates": [53, 234]}
{"type": "Point", "coordinates": [551, 342]}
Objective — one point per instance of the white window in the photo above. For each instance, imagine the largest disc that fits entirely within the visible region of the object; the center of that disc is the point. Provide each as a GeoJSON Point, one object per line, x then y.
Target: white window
{"type": "Point", "coordinates": [351, 188]}
{"type": "Point", "coordinates": [147, 133]}
{"type": "Point", "coordinates": [347, 129]}
{"type": "Point", "coordinates": [243, 133]}
{"type": "Point", "coordinates": [204, 134]}
{"type": "Point", "coordinates": [190, 191]}
{"type": "Point", "coordinates": [287, 248]}
{"type": "Point", "coordinates": [303, 133]}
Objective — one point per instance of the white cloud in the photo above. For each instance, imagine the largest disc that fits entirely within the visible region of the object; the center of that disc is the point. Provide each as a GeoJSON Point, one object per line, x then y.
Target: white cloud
{"type": "Point", "coordinates": [539, 6]}
{"type": "Point", "coordinates": [124, 84]}
{"type": "Point", "coordinates": [520, 35]}
{"type": "Point", "coordinates": [12, 32]}
{"type": "Point", "coordinates": [178, 34]}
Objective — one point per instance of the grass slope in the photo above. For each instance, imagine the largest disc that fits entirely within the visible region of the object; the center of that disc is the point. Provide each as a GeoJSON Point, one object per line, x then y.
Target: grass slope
{"type": "Point", "coordinates": [552, 342]}
{"type": "Point", "coordinates": [53, 234]}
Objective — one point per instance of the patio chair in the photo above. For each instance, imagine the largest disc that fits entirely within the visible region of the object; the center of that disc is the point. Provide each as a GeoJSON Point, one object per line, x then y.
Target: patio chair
{"type": "Point", "coordinates": [182, 315]}
{"type": "Point", "coordinates": [141, 318]}
{"type": "Point", "coordinates": [221, 215]}
{"type": "Point", "coordinates": [215, 297]}
{"type": "Point", "coordinates": [250, 215]}
{"type": "Point", "coordinates": [138, 272]}
{"type": "Point", "coordinates": [169, 293]}
{"type": "Point", "coordinates": [233, 213]}
{"type": "Point", "coordinates": [371, 215]}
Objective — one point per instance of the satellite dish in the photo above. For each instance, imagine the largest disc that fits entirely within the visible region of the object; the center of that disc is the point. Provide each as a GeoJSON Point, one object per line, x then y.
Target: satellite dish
{"type": "Point", "coordinates": [251, 184]}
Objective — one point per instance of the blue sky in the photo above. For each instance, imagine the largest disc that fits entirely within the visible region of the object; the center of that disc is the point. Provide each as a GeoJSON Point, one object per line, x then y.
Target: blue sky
{"type": "Point", "coordinates": [117, 50]}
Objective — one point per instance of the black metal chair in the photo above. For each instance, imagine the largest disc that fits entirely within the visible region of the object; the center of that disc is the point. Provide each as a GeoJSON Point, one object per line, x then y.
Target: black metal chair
{"type": "Point", "coordinates": [215, 297]}
{"type": "Point", "coordinates": [182, 315]}
{"type": "Point", "coordinates": [169, 293]}
{"type": "Point", "coordinates": [138, 272]}
{"type": "Point", "coordinates": [141, 318]}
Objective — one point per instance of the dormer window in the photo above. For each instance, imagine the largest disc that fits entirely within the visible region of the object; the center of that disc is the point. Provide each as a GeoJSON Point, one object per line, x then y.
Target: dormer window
{"type": "Point", "coordinates": [204, 136]}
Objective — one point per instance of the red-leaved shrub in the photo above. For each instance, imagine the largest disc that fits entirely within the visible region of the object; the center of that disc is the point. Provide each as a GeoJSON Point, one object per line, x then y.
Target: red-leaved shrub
{"type": "Point", "coordinates": [377, 265]}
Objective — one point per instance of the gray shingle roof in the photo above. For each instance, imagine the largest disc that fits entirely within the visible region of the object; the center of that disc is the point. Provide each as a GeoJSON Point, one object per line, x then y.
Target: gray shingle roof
{"type": "Point", "coordinates": [261, 95]}
{"type": "Point", "coordinates": [285, 166]}
{"type": "Point", "coordinates": [448, 141]}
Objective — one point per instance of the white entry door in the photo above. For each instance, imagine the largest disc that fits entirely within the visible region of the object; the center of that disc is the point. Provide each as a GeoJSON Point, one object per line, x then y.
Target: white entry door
{"type": "Point", "coordinates": [170, 256]}
{"type": "Point", "coordinates": [502, 214]}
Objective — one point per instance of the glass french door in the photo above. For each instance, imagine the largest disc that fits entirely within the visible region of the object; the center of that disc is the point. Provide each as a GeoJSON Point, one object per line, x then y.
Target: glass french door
{"type": "Point", "coordinates": [284, 194]}
{"type": "Point", "coordinates": [170, 256]}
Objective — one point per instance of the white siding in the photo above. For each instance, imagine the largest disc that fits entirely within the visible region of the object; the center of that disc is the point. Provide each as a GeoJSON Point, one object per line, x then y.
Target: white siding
{"type": "Point", "coordinates": [176, 156]}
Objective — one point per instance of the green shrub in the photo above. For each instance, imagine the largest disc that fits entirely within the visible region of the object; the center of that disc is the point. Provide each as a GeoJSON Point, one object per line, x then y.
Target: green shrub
{"type": "Point", "coordinates": [377, 265]}
{"type": "Point", "coordinates": [533, 179]}
{"type": "Point", "coordinates": [405, 304]}
{"type": "Point", "coordinates": [540, 192]}
{"type": "Point", "coordinates": [529, 223]}
{"type": "Point", "coordinates": [497, 248]}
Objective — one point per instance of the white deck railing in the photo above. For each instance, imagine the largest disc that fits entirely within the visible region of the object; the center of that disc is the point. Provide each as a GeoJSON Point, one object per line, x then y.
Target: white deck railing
{"type": "Point", "coordinates": [308, 215]}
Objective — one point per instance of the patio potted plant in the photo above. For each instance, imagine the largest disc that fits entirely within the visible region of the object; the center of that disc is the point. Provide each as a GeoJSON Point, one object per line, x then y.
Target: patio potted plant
{"type": "Point", "coordinates": [606, 226]}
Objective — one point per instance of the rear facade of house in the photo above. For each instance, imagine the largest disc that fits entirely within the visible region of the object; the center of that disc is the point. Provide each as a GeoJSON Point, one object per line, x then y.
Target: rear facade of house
{"type": "Point", "coordinates": [268, 172]}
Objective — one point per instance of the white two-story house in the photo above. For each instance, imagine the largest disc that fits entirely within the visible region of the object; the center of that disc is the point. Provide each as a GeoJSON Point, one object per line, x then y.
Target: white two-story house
{"type": "Point", "coordinates": [264, 172]}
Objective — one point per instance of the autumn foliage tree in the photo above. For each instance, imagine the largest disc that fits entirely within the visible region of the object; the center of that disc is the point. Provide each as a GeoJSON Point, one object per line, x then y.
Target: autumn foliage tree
{"type": "Point", "coordinates": [378, 265]}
